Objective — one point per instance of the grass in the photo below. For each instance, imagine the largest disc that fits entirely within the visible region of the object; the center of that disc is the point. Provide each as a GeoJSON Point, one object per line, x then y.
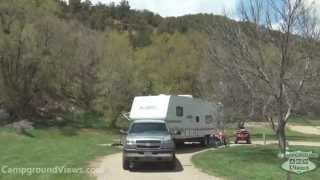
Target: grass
{"type": "Point", "coordinates": [91, 120]}
{"type": "Point", "coordinates": [50, 148]}
{"type": "Point", "coordinates": [250, 162]}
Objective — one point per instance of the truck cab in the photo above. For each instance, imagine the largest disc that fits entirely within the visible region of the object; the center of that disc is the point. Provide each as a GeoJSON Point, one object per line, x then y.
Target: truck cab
{"type": "Point", "coordinates": [148, 141]}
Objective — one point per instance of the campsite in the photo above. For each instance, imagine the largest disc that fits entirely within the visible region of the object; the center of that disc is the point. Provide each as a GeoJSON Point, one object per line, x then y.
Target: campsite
{"type": "Point", "coordinates": [162, 90]}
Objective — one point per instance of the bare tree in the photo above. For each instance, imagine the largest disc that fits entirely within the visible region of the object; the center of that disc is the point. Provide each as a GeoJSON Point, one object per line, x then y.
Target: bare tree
{"type": "Point", "coordinates": [271, 52]}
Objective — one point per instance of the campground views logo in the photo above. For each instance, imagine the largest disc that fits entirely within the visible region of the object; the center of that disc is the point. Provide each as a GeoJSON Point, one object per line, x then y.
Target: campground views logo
{"type": "Point", "coordinates": [299, 162]}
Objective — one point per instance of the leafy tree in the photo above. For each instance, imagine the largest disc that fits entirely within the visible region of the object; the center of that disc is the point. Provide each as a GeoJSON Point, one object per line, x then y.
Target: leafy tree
{"type": "Point", "coordinates": [170, 64]}
{"type": "Point", "coordinates": [117, 84]}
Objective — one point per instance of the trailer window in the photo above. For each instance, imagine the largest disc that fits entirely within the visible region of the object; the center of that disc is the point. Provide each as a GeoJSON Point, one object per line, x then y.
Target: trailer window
{"type": "Point", "coordinates": [197, 119]}
{"type": "Point", "coordinates": [179, 111]}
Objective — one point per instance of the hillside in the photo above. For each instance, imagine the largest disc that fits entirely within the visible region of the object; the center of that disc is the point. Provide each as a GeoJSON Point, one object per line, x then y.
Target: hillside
{"type": "Point", "coordinates": [60, 61]}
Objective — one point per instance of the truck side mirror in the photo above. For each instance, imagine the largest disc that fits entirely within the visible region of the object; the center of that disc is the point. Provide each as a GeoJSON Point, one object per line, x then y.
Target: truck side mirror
{"type": "Point", "coordinates": [176, 132]}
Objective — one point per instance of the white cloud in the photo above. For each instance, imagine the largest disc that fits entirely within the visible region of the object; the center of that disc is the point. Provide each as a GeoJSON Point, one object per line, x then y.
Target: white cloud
{"type": "Point", "coordinates": [314, 4]}
{"type": "Point", "coordinates": [180, 7]}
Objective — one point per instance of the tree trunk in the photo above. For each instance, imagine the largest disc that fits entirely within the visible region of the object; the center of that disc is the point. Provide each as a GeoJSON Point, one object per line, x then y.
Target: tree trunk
{"type": "Point", "coordinates": [113, 120]}
{"type": "Point", "coordinates": [281, 137]}
{"type": "Point", "coordinates": [113, 123]}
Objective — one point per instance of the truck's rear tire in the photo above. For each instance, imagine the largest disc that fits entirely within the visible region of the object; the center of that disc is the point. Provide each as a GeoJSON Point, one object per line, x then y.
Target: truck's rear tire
{"type": "Point", "coordinates": [178, 143]}
{"type": "Point", "coordinates": [125, 164]}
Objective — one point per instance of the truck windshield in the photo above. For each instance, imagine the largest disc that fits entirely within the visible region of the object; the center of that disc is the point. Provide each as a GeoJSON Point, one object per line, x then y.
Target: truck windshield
{"type": "Point", "coordinates": [148, 128]}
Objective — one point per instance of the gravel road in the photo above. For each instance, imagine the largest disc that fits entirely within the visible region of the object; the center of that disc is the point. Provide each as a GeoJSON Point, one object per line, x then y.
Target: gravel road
{"type": "Point", "coordinates": [110, 168]}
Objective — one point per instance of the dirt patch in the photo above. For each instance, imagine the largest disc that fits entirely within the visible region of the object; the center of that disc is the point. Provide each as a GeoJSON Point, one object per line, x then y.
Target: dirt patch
{"type": "Point", "coordinates": [305, 129]}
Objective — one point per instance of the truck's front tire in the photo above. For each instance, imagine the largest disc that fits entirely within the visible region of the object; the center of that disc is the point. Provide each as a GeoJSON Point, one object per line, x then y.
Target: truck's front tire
{"type": "Point", "coordinates": [172, 163]}
{"type": "Point", "coordinates": [125, 164]}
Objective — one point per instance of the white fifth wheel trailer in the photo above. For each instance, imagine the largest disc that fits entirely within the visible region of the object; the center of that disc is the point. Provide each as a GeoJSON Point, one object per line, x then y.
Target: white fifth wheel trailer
{"type": "Point", "coordinates": [188, 118]}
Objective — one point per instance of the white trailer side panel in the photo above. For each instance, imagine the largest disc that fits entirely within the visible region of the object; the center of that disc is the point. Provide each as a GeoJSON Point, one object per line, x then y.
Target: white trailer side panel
{"type": "Point", "coordinates": [194, 122]}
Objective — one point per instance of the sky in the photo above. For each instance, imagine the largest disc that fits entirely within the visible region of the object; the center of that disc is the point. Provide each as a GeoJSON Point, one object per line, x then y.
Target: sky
{"type": "Point", "coordinates": [167, 8]}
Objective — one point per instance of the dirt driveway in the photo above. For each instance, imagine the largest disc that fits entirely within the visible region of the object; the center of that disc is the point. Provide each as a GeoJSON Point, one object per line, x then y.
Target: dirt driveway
{"type": "Point", "coordinates": [110, 168]}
